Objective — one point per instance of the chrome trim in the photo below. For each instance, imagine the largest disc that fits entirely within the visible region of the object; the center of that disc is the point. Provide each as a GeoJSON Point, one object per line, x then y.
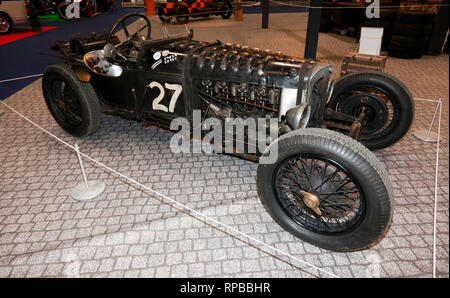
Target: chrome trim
{"type": "Point", "coordinates": [97, 63]}
{"type": "Point", "coordinates": [288, 100]}
{"type": "Point", "coordinates": [330, 90]}
{"type": "Point", "coordinates": [298, 116]}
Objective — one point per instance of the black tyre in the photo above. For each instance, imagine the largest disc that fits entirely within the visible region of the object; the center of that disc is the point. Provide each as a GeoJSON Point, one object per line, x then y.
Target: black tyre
{"type": "Point", "coordinates": [407, 47]}
{"type": "Point", "coordinates": [409, 41]}
{"type": "Point", "coordinates": [405, 52]}
{"type": "Point", "coordinates": [6, 24]}
{"type": "Point", "coordinates": [182, 14]}
{"type": "Point", "coordinates": [412, 30]}
{"type": "Point", "coordinates": [418, 18]}
{"type": "Point", "coordinates": [73, 104]}
{"type": "Point", "coordinates": [226, 10]}
{"type": "Point", "coordinates": [327, 189]}
{"type": "Point", "coordinates": [386, 101]}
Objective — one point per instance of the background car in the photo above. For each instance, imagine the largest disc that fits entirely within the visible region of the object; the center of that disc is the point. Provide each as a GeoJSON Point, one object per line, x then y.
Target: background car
{"type": "Point", "coordinates": [11, 11]}
{"type": "Point", "coordinates": [182, 10]}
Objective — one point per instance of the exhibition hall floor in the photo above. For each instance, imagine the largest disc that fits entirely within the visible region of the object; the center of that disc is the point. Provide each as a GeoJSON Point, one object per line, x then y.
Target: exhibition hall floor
{"type": "Point", "coordinates": [140, 230]}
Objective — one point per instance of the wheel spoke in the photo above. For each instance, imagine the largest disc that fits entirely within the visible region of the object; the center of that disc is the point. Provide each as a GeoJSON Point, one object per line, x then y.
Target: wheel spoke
{"type": "Point", "coordinates": [340, 199]}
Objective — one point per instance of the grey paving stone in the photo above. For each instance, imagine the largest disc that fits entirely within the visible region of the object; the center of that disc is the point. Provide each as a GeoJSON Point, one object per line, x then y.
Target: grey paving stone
{"type": "Point", "coordinates": [128, 232]}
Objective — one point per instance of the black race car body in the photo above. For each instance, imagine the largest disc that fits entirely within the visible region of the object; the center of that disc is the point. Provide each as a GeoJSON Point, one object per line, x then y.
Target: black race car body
{"type": "Point", "coordinates": [321, 185]}
{"type": "Point", "coordinates": [170, 77]}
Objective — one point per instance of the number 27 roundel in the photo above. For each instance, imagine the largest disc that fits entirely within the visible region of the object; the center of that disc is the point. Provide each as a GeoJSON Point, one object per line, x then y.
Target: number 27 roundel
{"type": "Point", "coordinates": [157, 105]}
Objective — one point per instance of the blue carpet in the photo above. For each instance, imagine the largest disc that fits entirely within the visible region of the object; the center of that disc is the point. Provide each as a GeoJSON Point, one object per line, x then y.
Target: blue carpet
{"type": "Point", "coordinates": [22, 57]}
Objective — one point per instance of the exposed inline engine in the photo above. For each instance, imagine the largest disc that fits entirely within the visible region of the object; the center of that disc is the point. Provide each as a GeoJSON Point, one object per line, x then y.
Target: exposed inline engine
{"type": "Point", "coordinates": [239, 99]}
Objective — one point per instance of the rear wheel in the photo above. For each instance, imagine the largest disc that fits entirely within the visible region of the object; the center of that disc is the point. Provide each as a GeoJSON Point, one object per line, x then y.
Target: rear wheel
{"type": "Point", "coordinates": [327, 189]}
{"type": "Point", "coordinates": [73, 104]}
{"type": "Point", "coordinates": [386, 102]}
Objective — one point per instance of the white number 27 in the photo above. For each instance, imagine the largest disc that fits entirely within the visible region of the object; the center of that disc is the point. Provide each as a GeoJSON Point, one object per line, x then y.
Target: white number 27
{"type": "Point", "coordinates": [173, 100]}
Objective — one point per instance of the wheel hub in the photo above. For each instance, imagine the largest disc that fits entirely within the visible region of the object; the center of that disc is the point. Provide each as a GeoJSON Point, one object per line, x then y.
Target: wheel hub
{"type": "Point", "coordinates": [4, 25]}
{"type": "Point", "coordinates": [312, 201]}
{"type": "Point", "coordinates": [375, 109]}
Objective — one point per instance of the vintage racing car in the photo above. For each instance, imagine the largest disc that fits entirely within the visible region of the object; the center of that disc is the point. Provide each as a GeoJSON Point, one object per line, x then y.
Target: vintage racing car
{"type": "Point", "coordinates": [324, 187]}
{"type": "Point", "coordinates": [182, 10]}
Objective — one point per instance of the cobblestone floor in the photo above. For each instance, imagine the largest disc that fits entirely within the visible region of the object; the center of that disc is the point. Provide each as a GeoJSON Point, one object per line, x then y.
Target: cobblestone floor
{"type": "Point", "coordinates": [128, 232]}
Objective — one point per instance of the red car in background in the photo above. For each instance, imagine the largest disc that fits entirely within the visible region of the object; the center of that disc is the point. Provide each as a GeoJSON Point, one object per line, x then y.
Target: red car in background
{"type": "Point", "coordinates": [182, 10]}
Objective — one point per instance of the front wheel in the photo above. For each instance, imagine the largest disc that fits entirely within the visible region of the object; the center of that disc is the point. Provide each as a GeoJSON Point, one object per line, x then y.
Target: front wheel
{"type": "Point", "coordinates": [327, 189]}
{"type": "Point", "coordinates": [73, 104]}
{"type": "Point", "coordinates": [385, 101]}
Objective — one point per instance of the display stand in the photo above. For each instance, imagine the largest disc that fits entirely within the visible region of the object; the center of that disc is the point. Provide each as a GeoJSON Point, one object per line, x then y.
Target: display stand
{"type": "Point", "coordinates": [87, 190]}
{"type": "Point", "coordinates": [426, 135]}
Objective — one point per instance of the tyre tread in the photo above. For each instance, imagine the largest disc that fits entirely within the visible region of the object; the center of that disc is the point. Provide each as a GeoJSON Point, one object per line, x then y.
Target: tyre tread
{"type": "Point", "coordinates": [346, 146]}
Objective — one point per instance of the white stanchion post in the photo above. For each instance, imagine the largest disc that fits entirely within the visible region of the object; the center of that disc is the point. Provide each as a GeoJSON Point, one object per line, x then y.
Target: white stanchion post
{"type": "Point", "coordinates": [426, 135]}
{"type": "Point", "coordinates": [86, 190]}
{"type": "Point", "coordinates": [81, 166]}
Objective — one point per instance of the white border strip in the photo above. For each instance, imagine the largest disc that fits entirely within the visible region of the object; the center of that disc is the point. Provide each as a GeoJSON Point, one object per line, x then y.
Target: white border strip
{"type": "Point", "coordinates": [176, 202]}
{"type": "Point", "coordinates": [436, 180]}
{"type": "Point", "coordinates": [436, 191]}
{"type": "Point", "coordinates": [425, 99]}
{"type": "Point", "coordinates": [21, 78]}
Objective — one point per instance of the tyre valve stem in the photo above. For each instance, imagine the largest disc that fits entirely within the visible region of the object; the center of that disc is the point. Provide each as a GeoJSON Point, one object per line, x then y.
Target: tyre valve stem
{"type": "Point", "coordinates": [312, 201]}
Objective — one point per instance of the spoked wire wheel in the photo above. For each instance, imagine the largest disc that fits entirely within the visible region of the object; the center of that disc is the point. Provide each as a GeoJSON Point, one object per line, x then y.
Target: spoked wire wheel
{"type": "Point", "coordinates": [326, 188]}
{"type": "Point", "coordinates": [73, 104]}
{"type": "Point", "coordinates": [64, 102]}
{"type": "Point", "coordinates": [336, 203]}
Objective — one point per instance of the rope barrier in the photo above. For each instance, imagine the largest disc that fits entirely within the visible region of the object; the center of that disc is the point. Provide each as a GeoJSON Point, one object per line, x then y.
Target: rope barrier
{"type": "Point", "coordinates": [21, 78]}
{"type": "Point", "coordinates": [307, 7]}
{"type": "Point", "coordinates": [357, 7]}
{"type": "Point", "coordinates": [172, 201]}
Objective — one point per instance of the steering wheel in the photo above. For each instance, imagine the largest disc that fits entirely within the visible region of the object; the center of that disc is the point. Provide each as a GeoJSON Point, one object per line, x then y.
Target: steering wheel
{"type": "Point", "coordinates": [117, 52]}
